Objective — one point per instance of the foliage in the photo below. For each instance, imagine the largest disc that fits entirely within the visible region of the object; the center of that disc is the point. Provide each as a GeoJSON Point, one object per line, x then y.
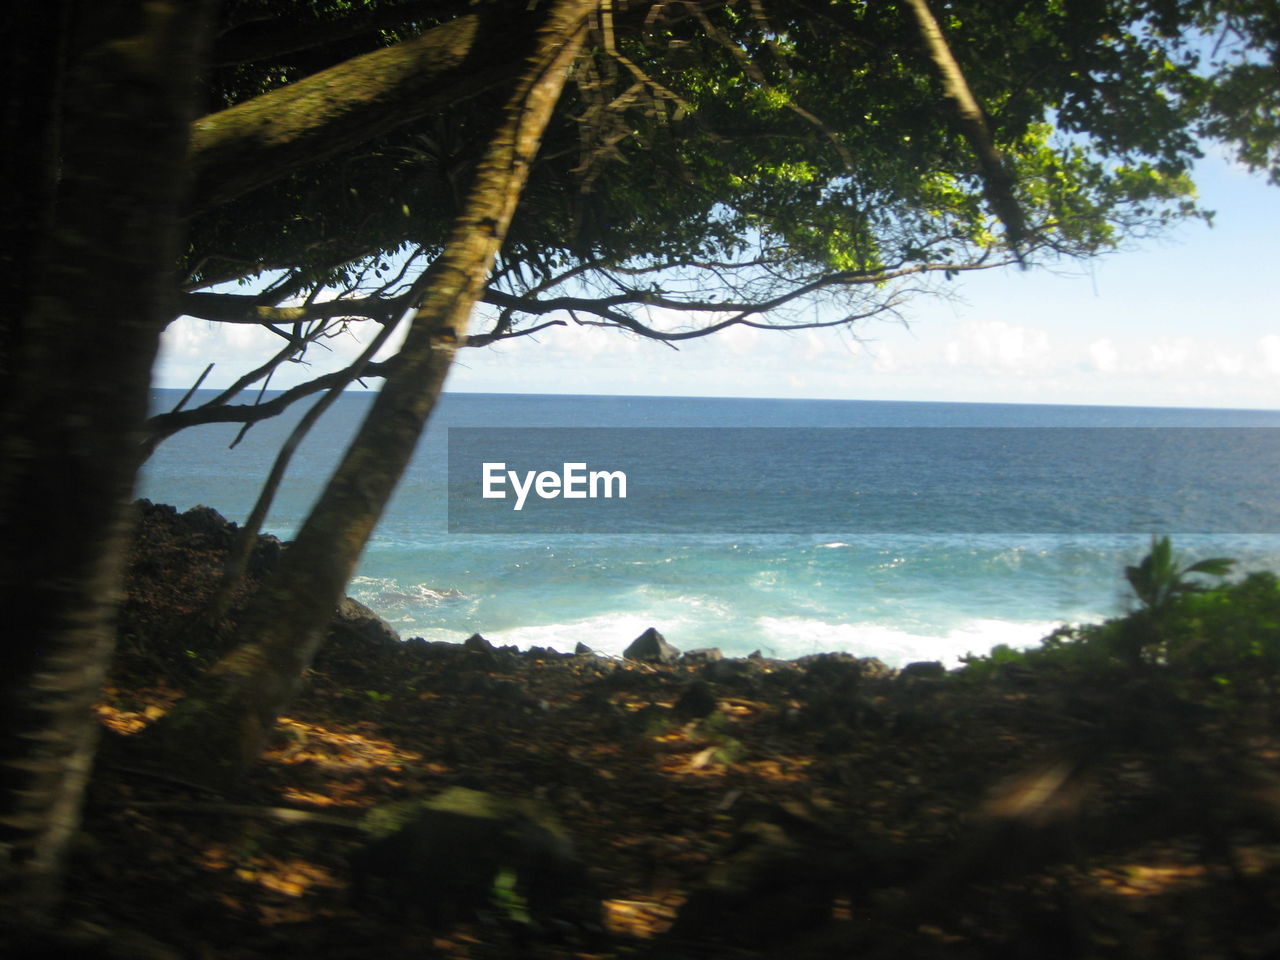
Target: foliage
{"type": "Point", "coordinates": [1207, 640]}
{"type": "Point", "coordinates": [791, 141]}
{"type": "Point", "coordinates": [1157, 580]}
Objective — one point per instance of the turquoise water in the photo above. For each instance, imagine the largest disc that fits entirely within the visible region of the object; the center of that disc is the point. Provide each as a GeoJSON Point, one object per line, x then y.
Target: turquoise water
{"type": "Point", "coordinates": [900, 597]}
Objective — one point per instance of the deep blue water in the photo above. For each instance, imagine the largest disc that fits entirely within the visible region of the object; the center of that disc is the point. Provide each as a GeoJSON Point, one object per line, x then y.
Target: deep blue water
{"type": "Point", "coordinates": [960, 581]}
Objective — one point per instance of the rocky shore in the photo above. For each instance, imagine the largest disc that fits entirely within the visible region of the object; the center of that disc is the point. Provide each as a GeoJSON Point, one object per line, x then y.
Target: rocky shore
{"type": "Point", "coordinates": [696, 805]}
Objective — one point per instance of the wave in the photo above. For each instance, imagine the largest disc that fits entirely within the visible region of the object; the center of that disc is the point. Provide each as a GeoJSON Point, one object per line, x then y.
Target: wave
{"type": "Point", "coordinates": [608, 634]}
{"type": "Point", "coordinates": [791, 637]}
{"type": "Point", "coordinates": [387, 593]}
{"type": "Point", "coordinates": [783, 638]}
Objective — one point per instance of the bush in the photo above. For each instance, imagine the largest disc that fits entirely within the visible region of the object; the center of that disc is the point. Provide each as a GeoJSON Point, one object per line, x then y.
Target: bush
{"type": "Point", "coordinates": [1225, 637]}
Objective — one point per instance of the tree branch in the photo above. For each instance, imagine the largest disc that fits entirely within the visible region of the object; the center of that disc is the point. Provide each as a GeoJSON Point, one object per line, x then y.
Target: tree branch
{"type": "Point", "coordinates": [610, 309]}
{"type": "Point", "coordinates": [164, 425]}
{"type": "Point", "coordinates": [247, 308]}
{"type": "Point", "coordinates": [997, 178]}
{"type": "Point", "coordinates": [258, 141]}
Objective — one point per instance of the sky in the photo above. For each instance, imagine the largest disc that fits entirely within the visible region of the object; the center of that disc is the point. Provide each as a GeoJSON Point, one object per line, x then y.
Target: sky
{"type": "Point", "coordinates": [1188, 320]}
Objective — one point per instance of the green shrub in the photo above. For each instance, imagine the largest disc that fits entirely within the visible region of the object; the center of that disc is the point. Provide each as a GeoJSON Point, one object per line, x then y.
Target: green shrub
{"type": "Point", "coordinates": [1224, 637]}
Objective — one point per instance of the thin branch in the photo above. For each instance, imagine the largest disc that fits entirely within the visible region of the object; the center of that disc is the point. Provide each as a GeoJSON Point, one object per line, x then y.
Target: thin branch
{"type": "Point", "coordinates": [753, 71]}
{"type": "Point", "coordinates": [238, 558]}
{"type": "Point", "coordinates": [493, 336]}
{"type": "Point", "coordinates": [997, 178]}
{"type": "Point", "coordinates": [165, 425]}
{"type": "Point", "coordinates": [194, 387]}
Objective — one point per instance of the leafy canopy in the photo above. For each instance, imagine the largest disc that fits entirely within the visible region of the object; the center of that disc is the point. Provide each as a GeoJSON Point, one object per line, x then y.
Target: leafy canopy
{"type": "Point", "coordinates": [814, 134]}
{"type": "Point", "coordinates": [716, 163]}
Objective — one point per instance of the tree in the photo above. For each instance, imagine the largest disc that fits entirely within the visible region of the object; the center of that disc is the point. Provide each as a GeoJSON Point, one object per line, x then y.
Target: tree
{"type": "Point", "coordinates": [740, 201]}
{"type": "Point", "coordinates": [773, 153]}
{"type": "Point", "coordinates": [102, 98]}
{"type": "Point", "coordinates": [808, 217]}
{"type": "Point", "coordinates": [237, 705]}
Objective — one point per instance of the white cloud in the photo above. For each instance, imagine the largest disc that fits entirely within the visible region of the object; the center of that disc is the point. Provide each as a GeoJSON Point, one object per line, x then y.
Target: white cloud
{"type": "Point", "coordinates": [1269, 350]}
{"type": "Point", "coordinates": [1171, 355]}
{"type": "Point", "coordinates": [883, 359]}
{"type": "Point", "coordinates": [1226, 364]}
{"type": "Point", "coordinates": [814, 346]}
{"type": "Point", "coordinates": [739, 340]}
{"type": "Point", "coordinates": [998, 345]}
{"type": "Point", "coordinates": [1103, 356]}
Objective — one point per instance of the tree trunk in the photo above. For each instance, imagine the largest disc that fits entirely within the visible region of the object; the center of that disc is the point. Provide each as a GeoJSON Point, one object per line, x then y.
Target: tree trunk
{"type": "Point", "coordinates": [94, 300]}
{"type": "Point", "coordinates": [30, 119]}
{"type": "Point", "coordinates": [219, 729]}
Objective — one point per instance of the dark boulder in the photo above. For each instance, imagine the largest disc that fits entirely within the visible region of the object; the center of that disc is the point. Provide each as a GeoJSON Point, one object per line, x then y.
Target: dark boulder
{"type": "Point", "coordinates": [651, 647]}
{"type": "Point", "coordinates": [696, 701]}
{"type": "Point", "coordinates": [207, 524]}
{"type": "Point", "coordinates": [726, 671]}
{"type": "Point", "coordinates": [702, 655]}
{"type": "Point", "coordinates": [480, 653]}
{"type": "Point", "coordinates": [266, 556]}
{"type": "Point", "coordinates": [467, 852]}
{"type": "Point", "coordinates": [923, 670]}
{"type": "Point", "coordinates": [355, 624]}
{"type": "Point", "coordinates": [478, 644]}
{"type": "Point", "coordinates": [767, 887]}
{"type": "Point", "coordinates": [872, 668]}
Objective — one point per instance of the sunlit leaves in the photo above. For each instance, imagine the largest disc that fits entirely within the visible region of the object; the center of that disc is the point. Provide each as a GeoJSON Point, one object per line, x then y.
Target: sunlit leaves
{"type": "Point", "coordinates": [815, 133]}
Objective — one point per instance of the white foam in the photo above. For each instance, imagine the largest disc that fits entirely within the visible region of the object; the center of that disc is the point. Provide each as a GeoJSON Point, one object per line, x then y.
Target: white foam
{"type": "Point", "coordinates": [790, 637]}
{"type": "Point", "coordinates": [609, 634]}
{"type": "Point", "coordinates": [387, 593]}
{"type": "Point", "coordinates": [784, 638]}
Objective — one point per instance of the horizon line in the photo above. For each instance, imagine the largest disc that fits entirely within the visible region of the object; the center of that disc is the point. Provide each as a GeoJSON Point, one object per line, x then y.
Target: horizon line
{"type": "Point", "coordinates": [658, 396]}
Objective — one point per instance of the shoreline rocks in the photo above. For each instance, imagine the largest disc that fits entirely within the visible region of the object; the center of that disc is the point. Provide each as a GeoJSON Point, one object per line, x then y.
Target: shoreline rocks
{"type": "Point", "coordinates": [179, 554]}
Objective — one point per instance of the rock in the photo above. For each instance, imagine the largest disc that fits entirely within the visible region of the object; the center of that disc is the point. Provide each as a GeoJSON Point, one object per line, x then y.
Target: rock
{"type": "Point", "coordinates": [509, 691]}
{"type": "Point", "coordinates": [467, 852]}
{"type": "Point", "coordinates": [702, 655]}
{"type": "Point", "coordinates": [620, 678]}
{"type": "Point", "coordinates": [480, 653]}
{"type": "Point", "coordinates": [830, 665]}
{"type": "Point", "coordinates": [433, 649]}
{"type": "Point", "coordinates": [477, 683]}
{"type": "Point", "coordinates": [354, 624]}
{"type": "Point", "coordinates": [696, 701]}
{"type": "Point", "coordinates": [726, 671]}
{"type": "Point", "coordinates": [478, 644]}
{"type": "Point", "coordinates": [582, 650]}
{"type": "Point", "coordinates": [872, 668]}
{"type": "Point", "coordinates": [651, 647]}
{"type": "Point", "coordinates": [766, 887]}
{"type": "Point", "coordinates": [755, 655]}
{"type": "Point", "coordinates": [266, 555]}
{"type": "Point", "coordinates": [596, 669]}
{"type": "Point", "coordinates": [208, 523]}
{"type": "Point", "coordinates": [923, 670]}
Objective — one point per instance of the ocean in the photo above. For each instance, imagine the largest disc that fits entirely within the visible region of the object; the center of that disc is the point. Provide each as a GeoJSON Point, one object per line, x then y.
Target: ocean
{"type": "Point", "coordinates": [904, 531]}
